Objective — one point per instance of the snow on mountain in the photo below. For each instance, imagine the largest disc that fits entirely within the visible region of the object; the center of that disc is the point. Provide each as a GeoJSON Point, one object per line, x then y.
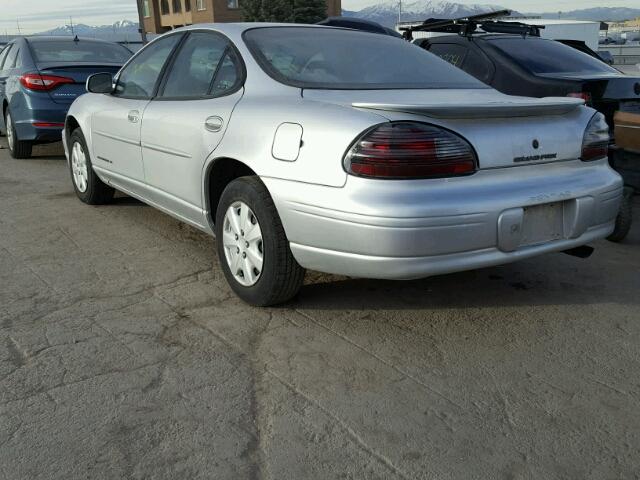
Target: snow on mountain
{"type": "Point", "coordinates": [386, 12]}
{"type": "Point", "coordinates": [121, 30]}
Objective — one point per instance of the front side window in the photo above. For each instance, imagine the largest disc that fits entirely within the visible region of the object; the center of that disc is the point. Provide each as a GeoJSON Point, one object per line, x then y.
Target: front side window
{"type": "Point", "coordinates": [138, 79]}
{"type": "Point", "coordinates": [203, 67]}
{"type": "Point", "coordinates": [331, 58]}
{"type": "Point", "coordinates": [45, 51]}
{"type": "Point", "coordinates": [543, 56]}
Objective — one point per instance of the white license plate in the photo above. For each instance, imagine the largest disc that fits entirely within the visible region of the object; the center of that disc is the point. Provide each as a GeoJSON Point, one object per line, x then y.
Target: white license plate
{"type": "Point", "coordinates": [542, 223]}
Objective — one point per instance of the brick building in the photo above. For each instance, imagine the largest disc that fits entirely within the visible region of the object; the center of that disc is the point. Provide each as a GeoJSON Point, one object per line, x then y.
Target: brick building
{"type": "Point", "coordinates": [164, 15]}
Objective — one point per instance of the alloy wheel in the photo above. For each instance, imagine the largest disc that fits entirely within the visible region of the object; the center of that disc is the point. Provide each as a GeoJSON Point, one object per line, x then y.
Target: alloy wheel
{"type": "Point", "coordinates": [79, 167]}
{"type": "Point", "coordinates": [10, 133]}
{"type": "Point", "coordinates": [242, 240]}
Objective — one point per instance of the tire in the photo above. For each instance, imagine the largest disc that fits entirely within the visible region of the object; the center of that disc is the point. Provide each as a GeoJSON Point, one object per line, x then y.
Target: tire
{"type": "Point", "coordinates": [89, 188]}
{"type": "Point", "coordinates": [623, 220]}
{"type": "Point", "coordinates": [17, 148]}
{"type": "Point", "coordinates": [280, 277]}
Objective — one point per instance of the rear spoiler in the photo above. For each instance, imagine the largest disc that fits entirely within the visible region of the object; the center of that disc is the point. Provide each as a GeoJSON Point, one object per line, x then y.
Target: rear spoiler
{"type": "Point", "coordinates": [514, 108]}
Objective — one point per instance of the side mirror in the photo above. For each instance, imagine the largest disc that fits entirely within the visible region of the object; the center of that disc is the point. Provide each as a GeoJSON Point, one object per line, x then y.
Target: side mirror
{"type": "Point", "coordinates": [100, 83]}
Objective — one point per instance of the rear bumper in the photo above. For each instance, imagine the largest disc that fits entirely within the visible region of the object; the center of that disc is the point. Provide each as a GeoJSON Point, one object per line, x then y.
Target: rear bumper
{"type": "Point", "coordinates": [413, 229]}
{"type": "Point", "coordinates": [32, 109]}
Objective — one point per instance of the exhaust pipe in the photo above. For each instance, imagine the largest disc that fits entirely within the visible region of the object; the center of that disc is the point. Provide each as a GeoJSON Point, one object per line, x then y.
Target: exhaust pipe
{"type": "Point", "coordinates": [584, 251]}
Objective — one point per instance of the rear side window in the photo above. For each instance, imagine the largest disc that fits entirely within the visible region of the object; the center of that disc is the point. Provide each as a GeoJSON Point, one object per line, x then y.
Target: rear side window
{"type": "Point", "coordinates": [454, 54]}
{"type": "Point", "coordinates": [3, 54]}
{"type": "Point", "coordinates": [82, 51]}
{"type": "Point", "coordinates": [12, 58]}
{"type": "Point", "coordinates": [203, 67]}
{"type": "Point", "coordinates": [331, 58]}
{"type": "Point", "coordinates": [139, 78]}
{"type": "Point", "coordinates": [547, 57]}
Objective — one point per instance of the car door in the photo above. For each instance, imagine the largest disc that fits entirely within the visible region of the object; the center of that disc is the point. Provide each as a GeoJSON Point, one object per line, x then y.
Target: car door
{"type": "Point", "coordinates": [4, 74]}
{"type": "Point", "coordinates": [116, 121]}
{"type": "Point", "coordinates": [186, 121]}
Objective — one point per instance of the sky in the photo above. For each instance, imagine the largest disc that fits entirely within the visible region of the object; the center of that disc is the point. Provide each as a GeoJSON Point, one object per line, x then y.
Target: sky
{"type": "Point", "coordinates": [38, 15]}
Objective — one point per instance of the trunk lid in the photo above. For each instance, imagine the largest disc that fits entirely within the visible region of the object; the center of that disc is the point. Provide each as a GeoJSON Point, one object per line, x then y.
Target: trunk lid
{"type": "Point", "coordinates": [609, 92]}
{"type": "Point", "coordinates": [505, 131]}
{"type": "Point", "coordinates": [67, 93]}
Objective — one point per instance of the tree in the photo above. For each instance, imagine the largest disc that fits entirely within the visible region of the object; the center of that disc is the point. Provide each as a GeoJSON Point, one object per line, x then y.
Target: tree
{"type": "Point", "coordinates": [291, 11]}
{"type": "Point", "coordinates": [309, 11]}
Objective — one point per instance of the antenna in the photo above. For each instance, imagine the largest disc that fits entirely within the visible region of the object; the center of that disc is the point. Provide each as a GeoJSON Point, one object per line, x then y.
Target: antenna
{"type": "Point", "coordinates": [18, 24]}
{"type": "Point", "coordinates": [399, 11]}
{"type": "Point", "coordinates": [71, 25]}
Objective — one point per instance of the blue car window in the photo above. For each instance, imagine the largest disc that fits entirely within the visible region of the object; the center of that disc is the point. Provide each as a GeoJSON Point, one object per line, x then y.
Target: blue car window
{"type": "Point", "coordinates": [10, 60]}
{"type": "Point", "coordinates": [3, 54]}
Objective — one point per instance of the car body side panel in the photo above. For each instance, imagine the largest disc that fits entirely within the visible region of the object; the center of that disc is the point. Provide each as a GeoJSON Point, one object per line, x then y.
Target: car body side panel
{"type": "Point", "coordinates": [177, 138]}
{"type": "Point", "coordinates": [328, 131]}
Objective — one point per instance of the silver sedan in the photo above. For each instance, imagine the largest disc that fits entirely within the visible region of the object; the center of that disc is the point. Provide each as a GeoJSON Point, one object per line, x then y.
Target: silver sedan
{"type": "Point", "coordinates": [307, 147]}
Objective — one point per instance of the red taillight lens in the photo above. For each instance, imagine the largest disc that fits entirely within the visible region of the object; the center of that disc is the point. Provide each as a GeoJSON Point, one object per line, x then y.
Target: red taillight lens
{"type": "Point", "coordinates": [583, 95]}
{"type": "Point", "coordinates": [35, 81]}
{"type": "Point", "coordinates": [405, 150]}
{"type": "Point", "coordinates": [595, 143]}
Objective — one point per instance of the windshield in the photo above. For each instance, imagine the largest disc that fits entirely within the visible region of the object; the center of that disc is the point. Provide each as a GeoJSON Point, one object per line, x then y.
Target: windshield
{"type": "Point", "coordinates": [80, 51]}
{"type": "Point", "coordinates": [546, 56]}
{"type": "Point", "coordinates": [332, 58]}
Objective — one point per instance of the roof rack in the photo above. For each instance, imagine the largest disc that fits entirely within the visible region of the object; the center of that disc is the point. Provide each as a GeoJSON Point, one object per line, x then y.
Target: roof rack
{"type": "Point", "coordinates": [467, 26]}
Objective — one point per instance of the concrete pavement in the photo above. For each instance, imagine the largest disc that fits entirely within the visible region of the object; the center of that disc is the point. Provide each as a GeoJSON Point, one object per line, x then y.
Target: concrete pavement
{"type": "Point", "coordinates": [124, 354]}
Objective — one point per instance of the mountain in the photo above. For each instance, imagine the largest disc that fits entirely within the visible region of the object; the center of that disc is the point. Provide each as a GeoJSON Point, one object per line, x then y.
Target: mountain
{"type": "Point", "coordinates": [386, 12]}
{"type": "Point", "coordinates": [612, 14]}
{"type": "Point", "coordinates": [119, 31]}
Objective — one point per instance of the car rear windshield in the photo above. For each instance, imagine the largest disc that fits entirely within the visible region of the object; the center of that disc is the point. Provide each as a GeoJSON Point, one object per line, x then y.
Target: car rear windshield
{"type": "Point", "coordinates": [547, 57]}
{"type": "Point", "coordinates": [332, 58]}
{"type": "Point", "coordinates": [80, 51]}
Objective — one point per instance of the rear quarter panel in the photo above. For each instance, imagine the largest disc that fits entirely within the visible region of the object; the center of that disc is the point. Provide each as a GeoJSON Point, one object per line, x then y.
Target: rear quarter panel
{"type": "Point", "coordinates": [328, 131]}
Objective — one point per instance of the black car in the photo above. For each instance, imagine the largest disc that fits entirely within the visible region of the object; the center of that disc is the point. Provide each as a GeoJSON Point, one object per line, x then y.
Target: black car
{"type": "Point", "coordinates": [537, 67]}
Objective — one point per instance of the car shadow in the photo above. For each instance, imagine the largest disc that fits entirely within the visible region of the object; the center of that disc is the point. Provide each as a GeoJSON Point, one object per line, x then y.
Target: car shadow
{"type": "Point", "coordinates": [552, 279]}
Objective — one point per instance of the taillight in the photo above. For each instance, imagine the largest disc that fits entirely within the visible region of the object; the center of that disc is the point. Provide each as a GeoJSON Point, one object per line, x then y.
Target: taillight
{"type": "Point", "coordinates": [35, 81]}
{"type": "Point", "coordinates": [583, 95]}
{"type": "Point", "coordinates": [403, 150]}
{"type": "Point", "coordinates": [595, 143]}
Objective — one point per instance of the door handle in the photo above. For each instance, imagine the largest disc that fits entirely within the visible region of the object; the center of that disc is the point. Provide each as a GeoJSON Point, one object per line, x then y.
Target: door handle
{"type": "Point", "coordinates": [134, 116]}
{"type": "Point", "coordinates": [214, 124]}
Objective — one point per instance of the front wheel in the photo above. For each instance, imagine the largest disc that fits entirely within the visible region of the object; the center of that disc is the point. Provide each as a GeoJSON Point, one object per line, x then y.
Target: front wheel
{"type": "Point", "coordinates": [252, 246]}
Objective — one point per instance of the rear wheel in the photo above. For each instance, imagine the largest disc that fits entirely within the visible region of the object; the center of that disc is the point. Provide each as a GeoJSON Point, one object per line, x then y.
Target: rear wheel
{"type": "Point", "coordinates": [18, 148]}
{"type": "Point", "coordinates": [89, 188]}
{"type": "Point", "coordinates": [252, 246]}
{"type": "Point", "coordinates": [623, 220]}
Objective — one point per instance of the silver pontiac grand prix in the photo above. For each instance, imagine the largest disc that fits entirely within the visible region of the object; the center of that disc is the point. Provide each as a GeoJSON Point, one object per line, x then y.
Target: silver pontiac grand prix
{"type": "Point", "coordinates": [308, 147]}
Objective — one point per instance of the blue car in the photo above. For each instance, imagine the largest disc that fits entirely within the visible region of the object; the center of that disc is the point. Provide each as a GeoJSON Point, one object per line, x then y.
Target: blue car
{"type": "Point", "coordinates": [39, 79]}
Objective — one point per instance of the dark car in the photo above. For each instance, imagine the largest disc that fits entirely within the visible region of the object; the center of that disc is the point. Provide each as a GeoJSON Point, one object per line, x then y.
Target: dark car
{"type": "Point", "coordinates": [39, 79]}
{"type": "Point", "coordinates": [537, 67]}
